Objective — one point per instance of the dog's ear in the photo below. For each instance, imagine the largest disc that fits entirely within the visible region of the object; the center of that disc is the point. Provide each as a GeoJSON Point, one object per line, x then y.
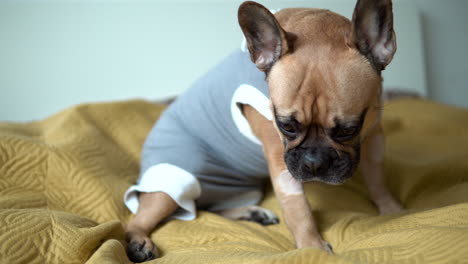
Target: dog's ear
{"type": "Point", "coordinates": [372, 31]}
{"type": "Point", "coordinates": [266, 40]}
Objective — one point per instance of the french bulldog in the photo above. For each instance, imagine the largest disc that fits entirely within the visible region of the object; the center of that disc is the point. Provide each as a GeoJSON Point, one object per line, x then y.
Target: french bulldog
{"type": "Point", "coordinates": [323, 74]}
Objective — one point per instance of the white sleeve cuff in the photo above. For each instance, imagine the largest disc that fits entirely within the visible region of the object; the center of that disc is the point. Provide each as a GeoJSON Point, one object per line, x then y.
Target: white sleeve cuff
{"type": "Point", "coordinates": [179, 184]}
{"type": "Point", "coordinates": [247, 94]}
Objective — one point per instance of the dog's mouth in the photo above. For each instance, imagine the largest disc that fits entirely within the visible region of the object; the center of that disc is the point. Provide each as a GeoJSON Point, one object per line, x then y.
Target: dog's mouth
{"type": "Point", "coordinates": [329, 166]}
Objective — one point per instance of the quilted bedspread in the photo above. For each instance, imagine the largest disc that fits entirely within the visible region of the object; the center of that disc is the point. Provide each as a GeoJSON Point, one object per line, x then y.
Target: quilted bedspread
{"type": "Point", "coordinates": [62, 180]}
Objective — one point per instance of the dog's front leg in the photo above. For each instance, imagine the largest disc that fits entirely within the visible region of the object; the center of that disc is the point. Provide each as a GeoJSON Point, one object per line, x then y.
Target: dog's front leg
{"type": "Point", "coordinates": [153, 208]}
{"type": "Point", "coordinates": [290, 193]}
{"type": "Point", "coordinates": [297, 212]}
{"type": "Point", "coordinates": [294, 204]}
{"type": "Point", "coordinates": [372, 170]}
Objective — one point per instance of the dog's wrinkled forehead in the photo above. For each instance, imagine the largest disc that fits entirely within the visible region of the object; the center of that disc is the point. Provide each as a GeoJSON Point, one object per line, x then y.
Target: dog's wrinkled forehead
{"type": "Point", "coordinates": [322, 89]}
{"type": "Point", "coordinates": [320, 66]}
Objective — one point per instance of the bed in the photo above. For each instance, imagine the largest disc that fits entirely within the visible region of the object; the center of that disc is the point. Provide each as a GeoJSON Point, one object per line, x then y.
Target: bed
{"type": "Point", "coordinates": [62, 180]}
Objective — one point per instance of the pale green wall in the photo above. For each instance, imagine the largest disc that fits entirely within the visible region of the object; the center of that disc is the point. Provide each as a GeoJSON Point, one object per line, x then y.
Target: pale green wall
{"type": "Point", "coordinates": [54, 54]}
{"type": "Point", "coordinates": [445, 35]}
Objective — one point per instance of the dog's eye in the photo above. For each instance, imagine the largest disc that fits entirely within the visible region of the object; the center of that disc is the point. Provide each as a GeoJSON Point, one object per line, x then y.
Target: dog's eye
{"type": "Point", "coordinates": [345, 133]}
{"type": "Point", "coordinates": [289, 129]}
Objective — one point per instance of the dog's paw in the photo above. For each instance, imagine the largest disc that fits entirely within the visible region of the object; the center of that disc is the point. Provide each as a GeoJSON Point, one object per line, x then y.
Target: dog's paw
{"type": "Point", "coordinates": [140, 247]}
{"type": "Point", "coordinates": [316, 242]}
{"type": "Point", "coordinates": [137, 252]}
{"type": "Point", "coordinates": [261, 215]}
{"type": "Point", "coordinates": [390, 207]}
{"type": "Point", "coordinates": [251, 213]}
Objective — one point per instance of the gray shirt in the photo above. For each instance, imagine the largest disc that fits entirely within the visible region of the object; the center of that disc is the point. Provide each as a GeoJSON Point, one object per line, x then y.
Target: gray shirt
{"type": "Point", "coordinates": [204, 134]}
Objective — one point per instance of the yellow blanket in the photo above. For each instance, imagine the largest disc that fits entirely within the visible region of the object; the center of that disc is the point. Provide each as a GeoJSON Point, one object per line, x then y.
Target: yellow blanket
{"type": "Point", "coordinates": [62, 181]}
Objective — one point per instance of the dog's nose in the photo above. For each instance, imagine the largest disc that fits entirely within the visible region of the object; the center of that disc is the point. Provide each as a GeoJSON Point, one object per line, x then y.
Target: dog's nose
{"type": "Point", "coordinates": [316, 163]}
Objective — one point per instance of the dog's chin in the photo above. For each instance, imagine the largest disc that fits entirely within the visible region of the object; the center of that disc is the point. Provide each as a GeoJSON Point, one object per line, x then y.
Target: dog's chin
{"type": "Point", "coordinates": [331, 178]}
{"type": "Point", "coordinates": [328, 180]}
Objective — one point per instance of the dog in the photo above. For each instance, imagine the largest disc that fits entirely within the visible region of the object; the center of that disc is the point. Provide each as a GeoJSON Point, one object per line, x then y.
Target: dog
{"type": "Point", "coordinates": [304, 104]}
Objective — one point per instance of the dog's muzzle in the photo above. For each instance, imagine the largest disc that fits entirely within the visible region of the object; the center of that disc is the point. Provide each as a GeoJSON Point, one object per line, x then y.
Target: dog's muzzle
{"type": "Point", "coordinates": [324, 164]}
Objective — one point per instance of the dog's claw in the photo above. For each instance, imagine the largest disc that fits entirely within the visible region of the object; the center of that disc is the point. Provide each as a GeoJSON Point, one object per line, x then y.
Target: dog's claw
{"type": "Point", "coordinates": [327, 247]}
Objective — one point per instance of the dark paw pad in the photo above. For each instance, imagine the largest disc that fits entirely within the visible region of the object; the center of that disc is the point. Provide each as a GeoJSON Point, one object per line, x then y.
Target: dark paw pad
{"type": "Point", "coordinates": [138, 253]}
{"type": "Point", "coordinates": [263, 217]}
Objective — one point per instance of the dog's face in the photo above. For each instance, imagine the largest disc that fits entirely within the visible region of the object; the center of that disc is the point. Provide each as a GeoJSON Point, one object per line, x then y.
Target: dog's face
{"type": "Point", "coordinates": [323, 116]}
{"type": "Point", "coordinates": [323, 73]}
